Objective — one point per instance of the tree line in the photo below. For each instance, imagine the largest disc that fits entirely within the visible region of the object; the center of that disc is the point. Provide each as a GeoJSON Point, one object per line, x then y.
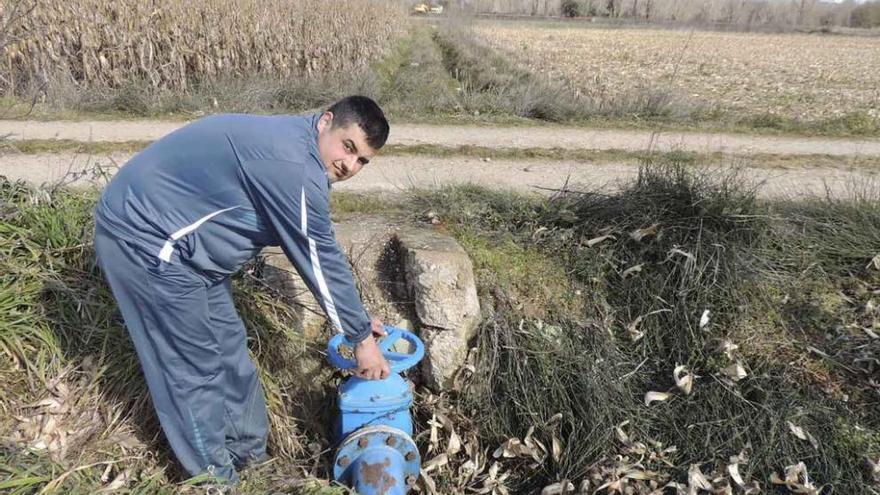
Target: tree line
{"type": "Point", "coordinates": [742, 13]}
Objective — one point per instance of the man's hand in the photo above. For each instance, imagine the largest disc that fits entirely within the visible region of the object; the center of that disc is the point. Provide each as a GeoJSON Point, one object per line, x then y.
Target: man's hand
{"type": "Point", "coordinates": [371, 365]}
{"type": "Point", "coordinates": [378, 329]}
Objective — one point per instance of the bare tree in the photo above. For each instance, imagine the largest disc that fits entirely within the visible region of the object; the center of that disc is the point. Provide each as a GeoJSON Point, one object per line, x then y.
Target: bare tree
{"type": "Point", "coordinates": [730, 8]}
{"type": "Point", "coordinates": [754, 13]}
{"type": "Point", "coordinates": [611, 7]}
{"type": "Point", "coordinates": [805, 12]}
{"type": "Point", "coordinates": [744, 13]}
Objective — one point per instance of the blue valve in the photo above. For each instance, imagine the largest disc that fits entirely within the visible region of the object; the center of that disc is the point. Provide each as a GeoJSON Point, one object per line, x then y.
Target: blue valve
{"type": "Point", "coordinates": [376, 453]}
{"type": "Point", "coordinates": [399, 362]}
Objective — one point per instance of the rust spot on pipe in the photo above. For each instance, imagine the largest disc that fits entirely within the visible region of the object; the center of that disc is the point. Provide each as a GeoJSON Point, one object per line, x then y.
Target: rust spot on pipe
{"type": "Point", "coordinates": [376, 476]}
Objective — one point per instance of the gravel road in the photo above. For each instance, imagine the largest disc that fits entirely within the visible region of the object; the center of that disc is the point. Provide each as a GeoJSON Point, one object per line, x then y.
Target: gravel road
{"type": "Point", "coordinates": [393, 174]}
{"type": "Point", "coordinates": [493, 137]}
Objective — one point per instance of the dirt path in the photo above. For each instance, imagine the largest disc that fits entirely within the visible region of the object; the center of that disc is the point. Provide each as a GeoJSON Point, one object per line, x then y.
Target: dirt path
{"type": "Point", "coordinates": [498, 137]}
{"type": "Point", "coordinates": [396, 174]}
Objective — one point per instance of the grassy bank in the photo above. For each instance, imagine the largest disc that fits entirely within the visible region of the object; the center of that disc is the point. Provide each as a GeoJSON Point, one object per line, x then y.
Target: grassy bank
{"type": "Point", "coordinates": [590, 302]}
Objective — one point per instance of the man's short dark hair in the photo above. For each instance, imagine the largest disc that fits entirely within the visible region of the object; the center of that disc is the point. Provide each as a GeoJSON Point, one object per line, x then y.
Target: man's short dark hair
{"type": "Point", "coordinates": [364, 112]}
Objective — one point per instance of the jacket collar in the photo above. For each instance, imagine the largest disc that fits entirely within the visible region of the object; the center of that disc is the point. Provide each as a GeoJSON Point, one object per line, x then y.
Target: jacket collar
{"type": "Point", "coordinates": [313, 143]}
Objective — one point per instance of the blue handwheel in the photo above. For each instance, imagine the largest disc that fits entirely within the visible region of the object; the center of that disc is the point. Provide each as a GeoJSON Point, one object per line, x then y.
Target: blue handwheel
{"type": "Point", "coordinates": [398, 361]}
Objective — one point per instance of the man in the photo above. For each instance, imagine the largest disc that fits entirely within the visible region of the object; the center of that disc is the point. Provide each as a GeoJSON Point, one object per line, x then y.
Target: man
{"type": "Point", "coordinates": [183, 215]}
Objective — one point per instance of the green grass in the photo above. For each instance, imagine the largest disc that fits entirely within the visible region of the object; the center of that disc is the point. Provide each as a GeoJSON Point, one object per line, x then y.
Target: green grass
{"type": "Point", "coordinates": [854, 123]}
{"type": "Point", "coordinates": [348, 203]}
{"type": "Point", "coordinates": [539, 287]}
{"type": "Point", "coordinates": [37, 146]}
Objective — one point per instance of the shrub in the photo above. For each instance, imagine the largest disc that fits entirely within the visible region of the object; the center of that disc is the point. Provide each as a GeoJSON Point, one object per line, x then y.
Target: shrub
{"type": "Point", "coordinates": [572, 8]}
{"type": "Point", "coordinates": [866, 15]}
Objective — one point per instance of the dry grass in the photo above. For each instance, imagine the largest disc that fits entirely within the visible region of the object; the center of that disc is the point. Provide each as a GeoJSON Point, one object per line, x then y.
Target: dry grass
{"type": "Point", "coordinates": [793, 76]}
{"type": "Point", "coordinates": [790, 290]}
{"type": "Point", "coordinates": [172, 44]}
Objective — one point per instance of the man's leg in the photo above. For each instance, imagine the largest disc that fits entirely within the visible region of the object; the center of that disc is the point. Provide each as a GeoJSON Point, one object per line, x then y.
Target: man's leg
{"type": "Point", "coordinates": [247, 422]}
{"type": "Point", "coordinates": [165, 309]}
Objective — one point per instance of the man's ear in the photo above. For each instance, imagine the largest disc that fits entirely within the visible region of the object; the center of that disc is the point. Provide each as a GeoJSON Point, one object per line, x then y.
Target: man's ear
{"type": "Point", "coordinates": [325, 121]}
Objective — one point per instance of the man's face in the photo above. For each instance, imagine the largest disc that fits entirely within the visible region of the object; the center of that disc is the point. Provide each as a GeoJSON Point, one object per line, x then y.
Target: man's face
{"type": "Point", "coordinates": [343, 150]}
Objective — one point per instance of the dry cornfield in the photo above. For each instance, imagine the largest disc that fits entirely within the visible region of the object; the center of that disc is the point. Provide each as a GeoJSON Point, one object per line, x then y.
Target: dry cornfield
{"type": "Point", "coordinates": [796, 76]}
{"type": "Point", "coordinates": [106, 43]}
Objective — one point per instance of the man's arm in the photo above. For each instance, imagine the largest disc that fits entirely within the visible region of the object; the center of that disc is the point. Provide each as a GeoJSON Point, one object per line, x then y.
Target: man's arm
{"type": "Point", "coordinates": [297, 206]}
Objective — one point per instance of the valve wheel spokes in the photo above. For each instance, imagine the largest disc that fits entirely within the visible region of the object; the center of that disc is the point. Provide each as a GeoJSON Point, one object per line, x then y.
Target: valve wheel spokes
{"type": "Point", "coordinates": [396, 356]}
{"type": "Point", "coordinates": [399, 361]}
{"type": "Point", "coordinates": [389, 340]}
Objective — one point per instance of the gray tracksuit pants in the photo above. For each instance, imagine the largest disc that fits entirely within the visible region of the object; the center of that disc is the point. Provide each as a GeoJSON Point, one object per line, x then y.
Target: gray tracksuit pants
{"type": "Point", "coordinates": [192, 348]}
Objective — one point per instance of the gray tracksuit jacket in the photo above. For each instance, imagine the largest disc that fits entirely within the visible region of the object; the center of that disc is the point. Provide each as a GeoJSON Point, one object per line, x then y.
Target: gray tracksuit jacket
{"type": "Point", "coordinates": [212, 194]}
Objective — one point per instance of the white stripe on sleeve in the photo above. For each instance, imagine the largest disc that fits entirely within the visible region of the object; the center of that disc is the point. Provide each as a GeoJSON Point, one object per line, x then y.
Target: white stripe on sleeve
{"type": "Point", "coordinates": [316, 266]}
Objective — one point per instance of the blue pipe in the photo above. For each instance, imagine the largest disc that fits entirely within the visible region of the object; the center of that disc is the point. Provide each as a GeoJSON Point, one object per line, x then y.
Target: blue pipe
{"type": "Point", "coordinates": [379, 471]}
{"type": "Point", "coordinates": [380, 459]}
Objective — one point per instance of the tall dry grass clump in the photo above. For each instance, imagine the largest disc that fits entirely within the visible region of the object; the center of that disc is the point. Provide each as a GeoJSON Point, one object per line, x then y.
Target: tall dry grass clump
{"type": "Point", "coordinates": [170, 44]}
